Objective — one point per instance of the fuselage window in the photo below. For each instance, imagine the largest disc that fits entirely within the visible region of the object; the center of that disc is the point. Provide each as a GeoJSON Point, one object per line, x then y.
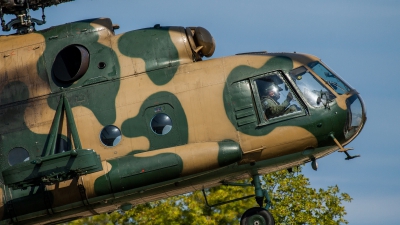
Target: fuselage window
{"type": "Point", "coordinates": [17, 155]}
{"type": "Point", "coordinates": [313, 91]}
{"type": "Point", "coordinates": [276, 98]}
{"type": "Point", "coordinates": [110, 135]}
{"type": "Point", "coordinates": [161, 124]}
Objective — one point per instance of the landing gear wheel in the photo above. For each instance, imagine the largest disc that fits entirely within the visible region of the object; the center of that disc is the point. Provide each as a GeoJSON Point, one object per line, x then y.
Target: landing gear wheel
{"type": "Point", "coordinates": [257, 216]}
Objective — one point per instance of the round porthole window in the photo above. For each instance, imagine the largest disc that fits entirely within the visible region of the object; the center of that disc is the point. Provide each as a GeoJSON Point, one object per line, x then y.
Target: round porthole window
{"type": "Point", "coordinates": [110, 135]}
{"type": "Point", "coordinates": [17, 155]}
{"type": "Point", "coordinates": [161, 124]}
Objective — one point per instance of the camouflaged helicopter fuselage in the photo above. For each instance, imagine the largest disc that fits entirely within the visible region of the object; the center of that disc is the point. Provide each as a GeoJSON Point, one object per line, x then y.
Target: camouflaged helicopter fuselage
{"type": "Point", "coordinates": [215, 132]}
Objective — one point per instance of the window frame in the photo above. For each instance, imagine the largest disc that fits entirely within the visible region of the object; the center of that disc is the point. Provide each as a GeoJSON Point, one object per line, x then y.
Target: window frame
{"type": "Point", "coordinates": [337, 77]}
{"type": "Point", "coordinates": [257, 100]}
{"type": "Point", "coordinates": [320, 81]}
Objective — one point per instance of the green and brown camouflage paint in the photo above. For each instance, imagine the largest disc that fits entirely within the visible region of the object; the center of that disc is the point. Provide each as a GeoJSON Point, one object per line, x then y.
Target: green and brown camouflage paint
{"type": "Point", "coordinates": [146, 71]}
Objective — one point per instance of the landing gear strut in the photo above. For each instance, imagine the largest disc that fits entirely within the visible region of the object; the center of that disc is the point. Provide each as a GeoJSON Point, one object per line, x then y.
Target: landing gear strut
{"type": "Point", "coordinates": [258, 215]}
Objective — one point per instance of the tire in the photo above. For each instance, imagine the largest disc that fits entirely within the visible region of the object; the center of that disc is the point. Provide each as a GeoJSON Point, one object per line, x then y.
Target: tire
{"type": "Point", "coordinates": [257, 216]}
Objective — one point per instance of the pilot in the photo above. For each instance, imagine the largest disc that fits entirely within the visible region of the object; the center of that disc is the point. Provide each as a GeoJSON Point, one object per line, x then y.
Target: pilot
{"type": "Point", "coordinates": [270, 103]}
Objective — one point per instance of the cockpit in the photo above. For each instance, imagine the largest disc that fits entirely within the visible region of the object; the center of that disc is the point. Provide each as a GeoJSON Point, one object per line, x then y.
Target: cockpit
{"type": "Point", "coordinates": [275, 96]}
{"type": "Point", "coordinates": [310, 82]}
{"type": "Point", "coordinates": [330, 78]}
{"type": "Point", "coordinates": [312, 86]}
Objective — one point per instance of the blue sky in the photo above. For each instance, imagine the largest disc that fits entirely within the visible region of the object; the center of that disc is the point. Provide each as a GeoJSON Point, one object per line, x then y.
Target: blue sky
{"type": "Point", "coordinates": [360, 40]}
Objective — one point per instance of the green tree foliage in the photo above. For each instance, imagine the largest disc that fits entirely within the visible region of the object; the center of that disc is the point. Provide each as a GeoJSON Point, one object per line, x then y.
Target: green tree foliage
{"type": "Point", "coordinates": [293, 202]}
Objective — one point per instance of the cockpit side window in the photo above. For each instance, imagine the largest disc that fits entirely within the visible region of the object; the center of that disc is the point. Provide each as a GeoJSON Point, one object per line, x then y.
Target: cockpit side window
{"type": "Point", "coordinates": [335, 82]}
{"type": "Point", "coordinates": [313, 91]}
{"type": "Point", "coordinates": [276, 99]}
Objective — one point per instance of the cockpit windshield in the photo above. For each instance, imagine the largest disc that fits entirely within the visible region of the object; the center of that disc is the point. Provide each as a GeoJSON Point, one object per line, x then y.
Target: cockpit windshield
{"type": "Point", "coordinates": [335, 82]}
{"type": "Point", "coordinates": [313, 91]}
{"type": "Point", "coordinates": [355, 116]}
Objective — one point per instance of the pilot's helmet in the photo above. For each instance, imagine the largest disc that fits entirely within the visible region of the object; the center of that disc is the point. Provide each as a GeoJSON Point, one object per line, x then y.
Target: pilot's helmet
{"type": "Point", "coordinates": [273, 87]}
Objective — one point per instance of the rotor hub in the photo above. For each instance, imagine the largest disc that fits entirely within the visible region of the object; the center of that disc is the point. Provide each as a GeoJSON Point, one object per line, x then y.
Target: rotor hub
{"type": "Point", "coordinates": [23, 22]}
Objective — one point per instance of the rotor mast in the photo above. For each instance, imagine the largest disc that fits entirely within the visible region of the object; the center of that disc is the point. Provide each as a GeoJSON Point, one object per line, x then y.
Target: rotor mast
{"type": "Point", "coordinates": [23, 22]}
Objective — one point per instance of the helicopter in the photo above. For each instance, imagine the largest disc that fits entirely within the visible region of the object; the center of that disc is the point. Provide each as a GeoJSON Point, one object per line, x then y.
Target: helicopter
{"type": "Point", "coordinates": [92, 122]}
